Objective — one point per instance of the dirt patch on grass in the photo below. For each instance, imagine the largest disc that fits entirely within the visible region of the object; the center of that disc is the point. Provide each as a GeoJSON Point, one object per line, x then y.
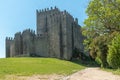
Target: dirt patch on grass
{"type": "Point", "coordinates": [34, 77]}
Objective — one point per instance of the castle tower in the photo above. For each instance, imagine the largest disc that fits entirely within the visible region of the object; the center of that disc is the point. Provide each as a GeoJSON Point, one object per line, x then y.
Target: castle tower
{"type": "Point", "coordinates": [41, 22]}
{"type": "Point", "coordinates": [18, 44]}
{"type": "Point", "coordinates": [28, 42]}
{"type": "Point", "coordinates": [8, 42]}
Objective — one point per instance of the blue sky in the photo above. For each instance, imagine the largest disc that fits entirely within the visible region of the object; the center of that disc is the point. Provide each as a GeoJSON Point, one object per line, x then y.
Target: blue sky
{"type": "Point", "coordinates": [17, 15]}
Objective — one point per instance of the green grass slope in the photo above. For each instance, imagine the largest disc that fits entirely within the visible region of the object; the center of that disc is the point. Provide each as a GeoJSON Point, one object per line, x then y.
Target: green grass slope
{"type": "Point", "coordinates": [30, 66]}
{"type": "Point", "coordinates": [114, 71]}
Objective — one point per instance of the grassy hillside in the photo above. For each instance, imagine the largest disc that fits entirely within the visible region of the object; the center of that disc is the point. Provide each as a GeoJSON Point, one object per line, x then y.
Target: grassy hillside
{"type": "Point", "coordinates": [30, 66]}
{"type": "Point", "coordinates": [114, 71]}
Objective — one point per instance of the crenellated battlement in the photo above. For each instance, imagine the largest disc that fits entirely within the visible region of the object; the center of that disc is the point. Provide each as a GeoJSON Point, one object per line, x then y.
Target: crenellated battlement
{"type": "Point", "coordinates": [9, 38]}
{"type": "Point", "coordinates": [28, 31]}
{"type": "Point", "coordinates": [47, 10]}
{"type": "Point", "coordinates": [18, 33]}
{"type": "Point", "coordinates": [39, 36]}
{"type": "Point", "coordinates": [76, 20]}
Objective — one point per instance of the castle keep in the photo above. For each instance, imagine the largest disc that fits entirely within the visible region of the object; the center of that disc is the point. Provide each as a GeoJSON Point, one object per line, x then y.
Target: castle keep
{"type": "Point", "coordinates": [58, 34]}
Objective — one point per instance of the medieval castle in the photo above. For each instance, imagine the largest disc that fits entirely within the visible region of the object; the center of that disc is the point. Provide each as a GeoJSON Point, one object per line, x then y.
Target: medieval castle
{"type": "Point", "coordinates": [58, 34]}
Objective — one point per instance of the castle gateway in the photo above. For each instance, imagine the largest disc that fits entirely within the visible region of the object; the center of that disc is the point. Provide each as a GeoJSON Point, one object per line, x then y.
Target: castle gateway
{"type": "Point", "coordinates": [58, 34]}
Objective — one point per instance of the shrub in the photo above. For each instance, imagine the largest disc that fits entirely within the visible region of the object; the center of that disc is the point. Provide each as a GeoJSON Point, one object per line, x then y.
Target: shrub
{"type": "Point", "coordinates": [79, 55]}
{"type": "Point", "coordinates": [113, 57]}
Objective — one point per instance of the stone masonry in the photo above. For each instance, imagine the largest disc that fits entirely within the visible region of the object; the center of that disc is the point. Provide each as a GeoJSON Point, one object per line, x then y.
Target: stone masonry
{"type": "Point", "coordinates": [58, 34]}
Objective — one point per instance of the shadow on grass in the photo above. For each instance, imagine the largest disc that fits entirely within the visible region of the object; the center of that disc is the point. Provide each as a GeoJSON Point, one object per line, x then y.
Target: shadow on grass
{"type": "Point", "coordinates": [86, 63]}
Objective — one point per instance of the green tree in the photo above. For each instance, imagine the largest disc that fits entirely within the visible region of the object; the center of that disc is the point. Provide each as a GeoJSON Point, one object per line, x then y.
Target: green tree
{"type": "Point", "coordinates": [113, 57]}
{"type": "Point", "coordinates": [103, 20]}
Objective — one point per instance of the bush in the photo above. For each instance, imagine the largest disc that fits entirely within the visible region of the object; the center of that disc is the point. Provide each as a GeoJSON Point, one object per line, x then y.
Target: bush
{"type": "Point", "coordinates": [34, 55]}
{"type": "Point", "coordinates": [113, 57]}
{"type": "Point", "coordinates": [77, 54]}
{"type": "Point", "coordinates": [99, 50]}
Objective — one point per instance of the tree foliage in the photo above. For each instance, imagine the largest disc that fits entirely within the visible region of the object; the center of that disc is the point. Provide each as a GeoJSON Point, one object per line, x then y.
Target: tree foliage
{"type": "Point", "coordinates": [113, 57]}
{"type": "Point", "coordinates": [103, 20]}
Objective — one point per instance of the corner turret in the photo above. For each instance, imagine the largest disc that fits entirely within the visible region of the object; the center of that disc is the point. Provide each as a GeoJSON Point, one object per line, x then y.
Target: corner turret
{"type": "Point", "coordinates": [8, 42]}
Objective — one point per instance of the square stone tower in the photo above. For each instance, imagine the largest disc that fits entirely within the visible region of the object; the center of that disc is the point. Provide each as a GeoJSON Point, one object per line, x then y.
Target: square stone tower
{"type": "Point", "coordinates": [61, 30]}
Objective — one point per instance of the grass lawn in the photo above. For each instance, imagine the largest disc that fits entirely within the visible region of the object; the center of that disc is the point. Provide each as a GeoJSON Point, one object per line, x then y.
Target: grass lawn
{"type": "Point", "coordinates": [30, 66]}
{"type": "Point", "coordinates": [114, 71]}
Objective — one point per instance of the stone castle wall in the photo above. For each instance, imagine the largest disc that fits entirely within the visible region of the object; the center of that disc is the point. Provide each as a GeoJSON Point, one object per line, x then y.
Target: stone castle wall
{"type": "Point", "coordinates": [58, 33]}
